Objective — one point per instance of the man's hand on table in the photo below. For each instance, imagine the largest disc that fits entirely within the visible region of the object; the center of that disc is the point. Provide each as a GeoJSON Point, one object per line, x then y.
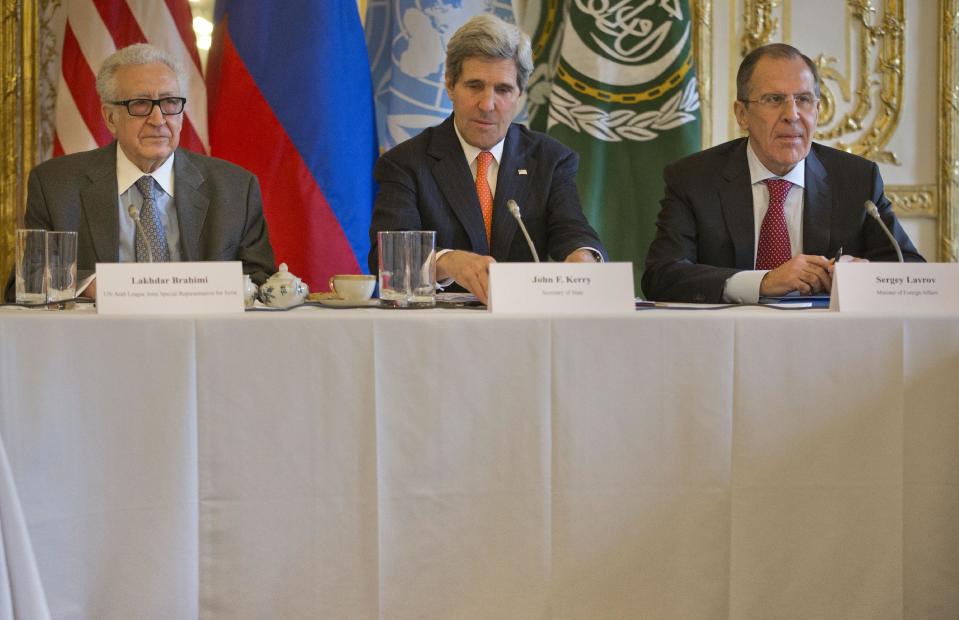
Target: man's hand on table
{"type": "Point", "coordinates": [469, 270]}
{"type": "Point", "coordinates": [804, 273]}
{"type": "Point", "coordinates": [581, 255]}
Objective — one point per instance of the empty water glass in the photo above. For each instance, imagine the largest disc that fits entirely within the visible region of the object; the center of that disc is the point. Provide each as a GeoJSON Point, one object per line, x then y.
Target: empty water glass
{"type": "Point", "coordinates": [407, 268]}
{"type": "Point", "coordinates": [61, 273]}
{"type": "Point", "coordinates": [30, 267]}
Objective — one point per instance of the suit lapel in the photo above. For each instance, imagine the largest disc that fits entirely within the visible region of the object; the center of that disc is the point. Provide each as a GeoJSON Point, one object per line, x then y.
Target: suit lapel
{"type": "Point", "coordinates": [510, 185]}
{"type": "Point", "coordinates": [818, 210]}
{"type": "Point", "coordinates": [191, 204]}
{"type": "Point", "coordinates": [452, 175]}
{"type": "Point", "coordinates": [99, 202]}
{"type": "Point", "coordinates": [736, 198]}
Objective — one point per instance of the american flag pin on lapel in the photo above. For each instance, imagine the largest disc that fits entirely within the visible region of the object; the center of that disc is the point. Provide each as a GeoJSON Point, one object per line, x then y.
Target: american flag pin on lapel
{"type": "Point", "coordinates": [522, 171]}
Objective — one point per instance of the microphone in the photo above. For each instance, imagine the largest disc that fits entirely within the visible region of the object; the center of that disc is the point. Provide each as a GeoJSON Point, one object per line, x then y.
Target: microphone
{"type": "Point", "coordinates": [874, 212]}
{"type": "Point", "coordinates": [514, 209]}
{"type": "Point", "coordinates": [132, 210]}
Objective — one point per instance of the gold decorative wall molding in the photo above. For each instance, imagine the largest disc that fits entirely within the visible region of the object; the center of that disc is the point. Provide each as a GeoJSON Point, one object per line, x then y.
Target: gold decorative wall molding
{"type": "Point", "coordinates": [759, 27]}
{"type": "Point", "coordinates": [887, 36]}
{"type": "Point", "coordinates": [702, 18]}
{"type": "Point", "coordinates": [18, 138]}
{"type": "Point", "coordinates": [948, 128]}
{"type": "Point", "coordinates": [913, 200]}
{"type": "Point", "coordinates": [758, 24]}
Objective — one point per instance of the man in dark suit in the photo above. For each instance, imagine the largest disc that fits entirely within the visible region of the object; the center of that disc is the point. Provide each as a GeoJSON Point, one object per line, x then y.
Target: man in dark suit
{"type": "Point", "coordinates": [457, 178]}
{"type": "Point", "coordinates": [191, 207]}
{"type": "Point", "coordinates": [767, 215]}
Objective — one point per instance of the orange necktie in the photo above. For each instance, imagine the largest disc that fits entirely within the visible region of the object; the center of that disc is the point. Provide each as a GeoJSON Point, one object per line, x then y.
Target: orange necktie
{"type": "Point", "coordinates": [483, 161]}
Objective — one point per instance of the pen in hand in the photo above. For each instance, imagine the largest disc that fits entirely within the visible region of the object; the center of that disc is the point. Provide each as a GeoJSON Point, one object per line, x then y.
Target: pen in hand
{"type": "Point", "coordinates": [834, 260]}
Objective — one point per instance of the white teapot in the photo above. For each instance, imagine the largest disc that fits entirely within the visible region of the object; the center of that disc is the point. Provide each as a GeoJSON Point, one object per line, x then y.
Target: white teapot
{"type": "Point", "coordinates": [283, 289]}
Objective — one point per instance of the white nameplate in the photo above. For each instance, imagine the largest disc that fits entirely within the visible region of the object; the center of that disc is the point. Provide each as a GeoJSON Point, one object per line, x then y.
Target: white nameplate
{"type": "Point", "coordinates": [896, 288]}
{"type": "Point", "coordinates": [169, 288]}
{"type": "Point", "coordinates": [561, 288]}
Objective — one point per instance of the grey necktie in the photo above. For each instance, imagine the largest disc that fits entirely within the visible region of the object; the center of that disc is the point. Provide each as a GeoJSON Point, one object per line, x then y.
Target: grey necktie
{"type": "Point", "coordinates": [152, 229]}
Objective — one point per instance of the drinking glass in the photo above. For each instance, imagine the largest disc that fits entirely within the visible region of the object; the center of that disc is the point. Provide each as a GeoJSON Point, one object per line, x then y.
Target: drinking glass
{"type": "Point", "coordinates": [30, 260]}
{"type": "Point", "coordinates": [407, 268]}
{"type": "Point", "coordinates": [61, 272]}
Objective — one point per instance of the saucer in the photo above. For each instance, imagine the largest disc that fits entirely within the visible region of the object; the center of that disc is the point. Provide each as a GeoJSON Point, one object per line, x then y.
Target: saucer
{"type": "Point", "coordinates": [321, 295]}
{"type": "Point", "coordinates": [345, 303]}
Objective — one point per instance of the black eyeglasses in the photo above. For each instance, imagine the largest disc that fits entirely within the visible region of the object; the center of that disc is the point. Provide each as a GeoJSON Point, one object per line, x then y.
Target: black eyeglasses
{"type": "Point", "coordinates": [144, 107]}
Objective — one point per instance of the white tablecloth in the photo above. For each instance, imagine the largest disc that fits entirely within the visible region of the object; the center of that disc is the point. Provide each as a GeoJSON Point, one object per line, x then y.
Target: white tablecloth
{"type": "Point", "coordinates": [451, 464]}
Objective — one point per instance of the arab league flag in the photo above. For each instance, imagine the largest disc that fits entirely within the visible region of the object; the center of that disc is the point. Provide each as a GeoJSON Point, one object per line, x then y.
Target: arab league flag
{"type": "Point", "coordinates": [615, 82]}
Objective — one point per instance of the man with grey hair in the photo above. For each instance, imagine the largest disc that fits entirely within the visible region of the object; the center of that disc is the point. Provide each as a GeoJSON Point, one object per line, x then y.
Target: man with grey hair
{"type": "Point", "coordinates": [767, 215]}
{"type": "Point", "coordinates": [457, 177]}
{"type": "Point", "coordinates": [190, 207]}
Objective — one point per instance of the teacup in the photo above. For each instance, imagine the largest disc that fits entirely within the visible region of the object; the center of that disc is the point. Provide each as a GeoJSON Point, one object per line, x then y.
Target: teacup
{"type": "Point", "coordinates": [355, 288]}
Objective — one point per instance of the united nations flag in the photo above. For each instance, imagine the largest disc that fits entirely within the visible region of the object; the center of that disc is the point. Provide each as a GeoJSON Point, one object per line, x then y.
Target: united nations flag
{"type": "Point", "coordinates": [407, 46]}
{"type": "Point", "coordinates": [615, 82]}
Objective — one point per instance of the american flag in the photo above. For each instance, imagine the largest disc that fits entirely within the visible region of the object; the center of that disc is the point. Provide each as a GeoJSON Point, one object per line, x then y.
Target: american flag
{"type": "Point", "coordinates": [94, 30]}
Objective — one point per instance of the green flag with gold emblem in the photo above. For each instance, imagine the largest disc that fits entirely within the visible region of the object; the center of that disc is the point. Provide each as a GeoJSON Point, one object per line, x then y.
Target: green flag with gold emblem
{"type": "Point", "coordinates": [615, 81]}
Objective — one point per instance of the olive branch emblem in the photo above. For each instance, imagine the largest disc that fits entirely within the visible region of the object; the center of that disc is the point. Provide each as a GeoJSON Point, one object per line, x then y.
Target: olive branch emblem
{"type": "Point", "coordinates": [622, 124]}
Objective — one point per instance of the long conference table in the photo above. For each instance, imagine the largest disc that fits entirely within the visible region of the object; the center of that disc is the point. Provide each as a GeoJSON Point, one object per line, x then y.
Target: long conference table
{"type": "Point", "coordinates": [319, 463]}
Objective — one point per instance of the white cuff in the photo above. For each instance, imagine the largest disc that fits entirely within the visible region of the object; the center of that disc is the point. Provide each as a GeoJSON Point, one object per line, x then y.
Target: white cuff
{"type": "Point", "coordinates": [85, 284]}
{"type": "Point", "coordinates": [447, 281]}
{"type": "Point", "coordinates": [596, 253]}
{"type": "Point", "coordinates": [743, 287]}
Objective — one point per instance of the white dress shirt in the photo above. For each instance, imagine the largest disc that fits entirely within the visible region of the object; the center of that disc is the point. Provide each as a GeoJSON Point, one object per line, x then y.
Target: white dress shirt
{"type": "Point", "coordinates": [743, 287]}
{"type": "Point", "coordinates": [127, 176]}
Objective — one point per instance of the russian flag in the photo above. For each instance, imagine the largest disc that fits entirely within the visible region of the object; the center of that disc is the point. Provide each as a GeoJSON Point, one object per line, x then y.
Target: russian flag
{"type": "Point", "coordinates": [291, 100]}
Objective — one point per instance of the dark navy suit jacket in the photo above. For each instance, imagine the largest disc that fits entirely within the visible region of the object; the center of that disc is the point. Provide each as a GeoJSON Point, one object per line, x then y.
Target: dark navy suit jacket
{"type": "Point", "coordinates": [425, 184]}
{"type": "Point", "coordinates": [705, 230]}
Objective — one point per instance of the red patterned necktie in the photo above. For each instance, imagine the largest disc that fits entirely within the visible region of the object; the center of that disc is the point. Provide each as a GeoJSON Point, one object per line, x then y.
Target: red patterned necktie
{"type": "Point", "coordinates": [483, 161]}
{"type": "Point", "coordinates": [774, 248]}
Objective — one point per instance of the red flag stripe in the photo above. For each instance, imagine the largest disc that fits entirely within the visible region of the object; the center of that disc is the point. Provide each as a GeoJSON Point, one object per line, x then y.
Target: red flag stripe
{"type": "Point", "coordinates": [82, 84]}
{"type": "Point", "coordinates": [57, 147]}
{"type": "Point", "coordinates": [120, 22]}
{"type": "Point", "coordinates": [189, 139]}
{"type": "Point", "coordinates": [72, 131]}
{"type": "Point", "coordinates": [183, 18]}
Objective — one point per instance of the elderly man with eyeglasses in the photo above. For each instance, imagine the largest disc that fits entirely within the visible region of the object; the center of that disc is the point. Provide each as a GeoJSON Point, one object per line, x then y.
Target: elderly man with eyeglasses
{"type": "Point", "coordinates": [767, 215]}
{"type": "Point", "coordinates": [141, 198]}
